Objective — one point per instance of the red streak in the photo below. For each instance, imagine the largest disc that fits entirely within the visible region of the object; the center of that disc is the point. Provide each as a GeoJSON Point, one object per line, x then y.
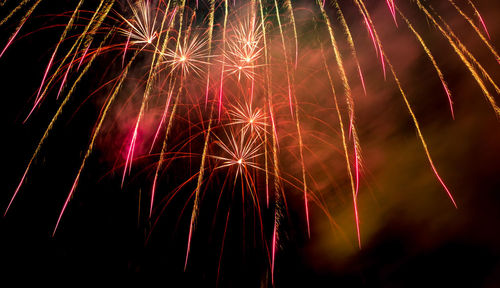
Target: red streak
{"type": "Point", "coordinates": [449, 100]}
{"type": "Point", "coordinates": [66, 204]}
{"type": "Point", "coordinates": [11, 39]}
{"type": "Point", "coordinates": [484, 25]}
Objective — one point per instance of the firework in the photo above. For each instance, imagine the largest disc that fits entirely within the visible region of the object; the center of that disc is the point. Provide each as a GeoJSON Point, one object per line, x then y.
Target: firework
{"type": "Point", "coordinates": [223, 84]}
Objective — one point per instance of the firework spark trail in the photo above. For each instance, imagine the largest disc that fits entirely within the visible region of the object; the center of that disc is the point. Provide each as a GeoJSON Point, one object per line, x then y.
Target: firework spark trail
{"type": "Point", "coordinates": [6, 18]}
{"type": "Point", "coordinates": [165, 143]}
{"type": "Point", "coordinates": [54, 119]}
{"type": "Point", "coordinates": [222, 247]}
{"type": "Point", "coordinates": [162, 52]}
{"type": "Point", "coordinates": [162, 120]}
{"type": "Point", "coordinates": [293, 101]}
{"type": "Point", "coordinates": [290, 101]}
{"type": "Point", "coordinates": [476, 29]}
{"type": "Point", "coordinates": [344, 144]}
{"type": "Point", "coordinates": [96, 131]}
{"type": "Point", "coordinates": [470, 65]}
{"type": "Point", "coordinates": [352, 127]}
{"type": "Point", "coordinates": [267, 96]}
{"type": "Point", "coordinates": [75, 47]}
{"type": "Point", "coordinates": [476, 11]}
{"type": "Point", "coordinates": [171, 86]}
{"type": "Point", "coordinates": [145, 97]}
{"type": "Point", "coordinates": [350, 40]}
{"type": "Point", "coordinates": [363, 9]}
{"type": "Point", "coordinates": [23, 20]}
{"type": "Point", "coordinates": [209, 128]}
{"type": "Point", "coordinates": [221, 85]}
{"type": "Point", "coordinates": [274, 146]}
{"type": "Point", "coordinates": [417, 126]}
{"type": "Point", "coordinates": [61, 39]}
{"type": "Point", "coordinates": [292, 19]}
{"type": "Point", "coordinates": [431, 58]}
{"type": "Point", "coordinates": [141, 29]}
{"type": "Point", "coordinates": [465, 51]}
{"type": "Point", "coordinates": [194, 212]}
{"type": "Point", "coordinates": [210, 33]}
{"type": "Point", "coordinates": [392, 9]}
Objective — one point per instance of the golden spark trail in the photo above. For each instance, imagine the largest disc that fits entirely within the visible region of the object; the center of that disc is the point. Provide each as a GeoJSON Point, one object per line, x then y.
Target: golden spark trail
{"type": "Point", "coordinates": [210, 33]}
{"type": "Point", "coordinates": [292, 19]}
{"type": "Point", "coordinates": [350, 40]}
{"type": "Point", "coordinates": [165, 142]}
{"type": "Point", "coordinates": [431, 58]}
{"type": "Point", "coordinates": [221, 87]}
{"type": "Point", "coordinates": [208, 131]}
{"type": "Point", "coordinates": [363, 9]}
{"type": "Point", "coordinates": [291, 94]}
{"type": "Point", "coordinates": [194, 212]}
{"type": "Point", "coordinates": [350, 104]}
{"type": "Point", "coordinates": [98, 23]}
{"type": "Point", "coordinates": [417, 126]}
{"type": "Point", "coordinates": [145, 98]}
{"type": "Point", "coordinates": [170, 25]}
{"type": "Point", "coordinates": [268, 96]}
{"type": "Point", "coordinates": [96, 131]}
{"type": "Point", "coordinates": [466, 51]}
{"type": "Point", "coordinates": [276, 171]}
{"type": "Point", "coordinates": [174, 109]}
{"type": "Point", "coordinates": [286, 57]}
{"type": "Point", "coordinates": [162, 52]}
{"type": "Point", "coordinates": [51, 124]}
{"type": "Point", "coordinates": [344, 145]}
{"type": "Point", "coordinates": [18, 28]}
{"type": "Point", "coordinates": [486, 42]}
{"type": "Point", "coordinates": [6, 18]}
{"type": "Point", "coordinates": [460, 51]}
{"type": "Point", "coordinates": [75, 47]}
{"type": "Point", "coordinates": [480, 18]}
{"type": "Point", "coordinates": [61, 39]}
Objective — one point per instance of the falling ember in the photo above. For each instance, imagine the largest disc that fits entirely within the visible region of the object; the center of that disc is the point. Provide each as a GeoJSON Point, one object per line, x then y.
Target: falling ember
{"type": "Point", "coordinates": [236, 93]}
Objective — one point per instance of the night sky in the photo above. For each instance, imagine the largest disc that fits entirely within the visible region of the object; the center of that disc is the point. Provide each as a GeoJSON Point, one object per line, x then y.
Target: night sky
{"type": "Point", "coordinates": [412, 236]}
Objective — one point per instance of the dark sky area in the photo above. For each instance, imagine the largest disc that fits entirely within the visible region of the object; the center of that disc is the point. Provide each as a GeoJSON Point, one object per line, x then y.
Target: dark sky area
{"type": "Point", "coordinates": [411, 234]}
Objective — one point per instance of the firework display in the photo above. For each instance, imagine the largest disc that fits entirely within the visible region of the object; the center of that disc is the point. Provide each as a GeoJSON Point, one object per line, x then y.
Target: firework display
{"type": "Point", "coordinates": [237, 107]}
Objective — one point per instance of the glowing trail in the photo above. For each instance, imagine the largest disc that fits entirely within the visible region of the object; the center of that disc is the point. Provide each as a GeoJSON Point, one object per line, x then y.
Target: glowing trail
{"type": "Point", "coordinates": [145, 97]}
{"type": "Point", "coordinates": [96, 131]}
{"type": "Point", "coordinates": [52, 122]}
{"type": "Point", "coordinates": [460, 52]}
{"type": "Point", "coordinates": [28, 14]}
{"type": "Point", "coordinates": [90, 26]}
{"type": "Point", "coordinates": [293, 101]}
{"type": "Point", "coordinates": [350, 40]}
{"type": "Point", "coordinates": [165, 142]}
{"type": "Point", "coordinates": [194, 212]}
{"type": "Point", "coordinates": [61, 39]}
{"type": "Point", "coordinates": [268, 97]}
{"type": "Point", "coordinates": [295, 37]}
{"type": "Point", "coordinates": [344, 144]}
{"type": "Point", "coordinates": [6, 18]}
{"type": "Point", "coordinates": [350, 104]}
{"type": "Point", "coordinates": [431, 58]}
{"type": "Point", "coordinates": [274, 146]}
{"type": "Point", "coordinates": [488, 44]}
{"type": "Point", "coordinates": [290, 102]}
{"type": "Point", "coordinates": [362, 7]}
{"type": "Point", "coordinates": [476, 11]}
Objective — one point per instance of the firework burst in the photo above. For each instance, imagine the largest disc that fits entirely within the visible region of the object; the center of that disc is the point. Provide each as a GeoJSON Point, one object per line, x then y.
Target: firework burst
{"type": "Point", "coordinates": [236, 80]}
